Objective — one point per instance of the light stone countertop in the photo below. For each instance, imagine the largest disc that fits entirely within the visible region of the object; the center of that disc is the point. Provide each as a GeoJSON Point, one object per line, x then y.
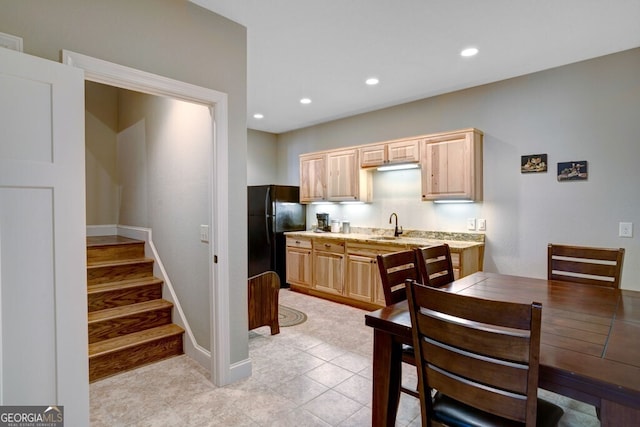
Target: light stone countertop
{"type": "Point", "coordinates": [409, 238]}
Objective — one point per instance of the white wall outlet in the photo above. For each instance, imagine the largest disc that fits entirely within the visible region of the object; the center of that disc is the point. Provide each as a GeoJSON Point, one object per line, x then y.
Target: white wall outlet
{"type": "Point", "coordinates": [471, 224]}
{"type": "Point", "coordinates": [625, 229]}
{"type": "Point", "coordinates": [204, 233]}
{"type": "Point", "coordinates": [482, 224]}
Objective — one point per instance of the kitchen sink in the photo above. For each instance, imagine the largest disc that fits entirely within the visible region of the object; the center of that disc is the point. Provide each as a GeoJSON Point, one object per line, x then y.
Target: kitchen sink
{"type": "Point", "coordinates": [384, 238]}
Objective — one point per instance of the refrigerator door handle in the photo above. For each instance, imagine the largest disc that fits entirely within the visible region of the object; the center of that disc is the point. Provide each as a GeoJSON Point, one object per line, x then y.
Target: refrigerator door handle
{"type": "Point", "coordinates": [267, 216]}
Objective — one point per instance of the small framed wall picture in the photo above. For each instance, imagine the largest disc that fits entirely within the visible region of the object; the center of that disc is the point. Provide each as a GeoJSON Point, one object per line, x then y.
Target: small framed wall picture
{"type": "Point", "coordinates": [533, 163]}
{"type": "Point", "coordinates": [573, 171]}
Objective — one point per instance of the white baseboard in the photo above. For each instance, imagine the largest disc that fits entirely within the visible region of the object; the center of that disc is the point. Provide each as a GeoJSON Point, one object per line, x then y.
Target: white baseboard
{"type": "Point", "coordinates": [102, 230]}
{"type": "Point", "coordinates": [239, 371]}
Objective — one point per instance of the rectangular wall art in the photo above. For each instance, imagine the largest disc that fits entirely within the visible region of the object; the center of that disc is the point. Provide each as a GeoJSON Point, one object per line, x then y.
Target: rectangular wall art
{"type": "Point", "coordinates": [533, 163]}
{"type": "Point", "coordinates": [572, 171]}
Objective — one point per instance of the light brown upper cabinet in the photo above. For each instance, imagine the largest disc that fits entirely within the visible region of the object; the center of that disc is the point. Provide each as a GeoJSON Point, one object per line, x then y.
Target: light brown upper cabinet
{"type": "Point", "coordinates": [452, 166]}
{"type": "Point", "coordinates": [345, 180]}
{"type": "Point", "coordinates": [333, 176]}
{"type": "Point", "coordinates": [397, 151]}
{"type": "Point", "coordinates": [372, 156]}
{"type": "Point", "coordinates": [313, 177]}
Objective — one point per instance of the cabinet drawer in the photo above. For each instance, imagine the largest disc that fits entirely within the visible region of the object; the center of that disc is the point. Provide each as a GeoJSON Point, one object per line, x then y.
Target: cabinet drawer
{"type": "Point", "coordinates": [299, 243]}
{"type": "Point", "coordinates": [370, 250]}
{"type": "Point", "coordinates": [329, 246]}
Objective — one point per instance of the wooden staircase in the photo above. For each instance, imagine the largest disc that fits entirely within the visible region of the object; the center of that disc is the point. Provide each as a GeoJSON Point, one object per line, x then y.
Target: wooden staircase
{"type": "Point", "coordinates": [129, 322]}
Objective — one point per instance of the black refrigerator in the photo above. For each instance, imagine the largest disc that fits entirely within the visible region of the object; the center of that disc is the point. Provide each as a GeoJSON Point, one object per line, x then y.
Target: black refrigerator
{"type": "Point", "coordinates": [273, 210]}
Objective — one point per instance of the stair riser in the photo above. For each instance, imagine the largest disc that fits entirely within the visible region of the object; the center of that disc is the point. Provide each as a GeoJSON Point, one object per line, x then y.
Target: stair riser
{"type": "Point", "coordinates": [130, 358]}
{"type": "Point", "coordinates": [116, 273]}
{"type": "Point", "coordinates": [119, 298]}
{"type": "Point", "coordinates": [117, 327]}
{"type": "Point", "coordinates": [114, 252]}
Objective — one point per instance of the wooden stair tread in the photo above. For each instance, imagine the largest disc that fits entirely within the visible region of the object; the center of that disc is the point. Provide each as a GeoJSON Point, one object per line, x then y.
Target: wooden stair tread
{"type": "Point", "coordinates": [127, 310]}
{"type": "Point", "coordinates": [122, 284]}
{"type": "Point", "coordinates": [111, 345]}
{"type": "Point", "coordinates": [130, 261]}
{"type": "Point", "coordinates": [97, 241]}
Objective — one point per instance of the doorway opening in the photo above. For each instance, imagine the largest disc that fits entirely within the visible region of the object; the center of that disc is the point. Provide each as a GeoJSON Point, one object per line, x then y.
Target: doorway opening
{"type": "Point", "coordinates": [118, 76]}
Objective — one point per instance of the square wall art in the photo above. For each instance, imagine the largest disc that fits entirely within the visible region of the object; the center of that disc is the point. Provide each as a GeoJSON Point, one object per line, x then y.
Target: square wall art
{"type": "Point", "coordinates": [573, 171]}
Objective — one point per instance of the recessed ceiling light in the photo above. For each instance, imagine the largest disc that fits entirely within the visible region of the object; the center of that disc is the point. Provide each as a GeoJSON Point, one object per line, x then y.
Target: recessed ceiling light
{"type": "Point", "coordinates": [305, 101]}
{"type": "Point", "coordinates": [258, 116]}
{"type": "Point", "coordinates": [470, 51]}
{"type": "Point", "coordinates": [372, 81]}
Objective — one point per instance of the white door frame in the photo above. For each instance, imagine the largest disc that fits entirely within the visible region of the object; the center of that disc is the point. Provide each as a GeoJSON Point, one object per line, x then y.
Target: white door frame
{"type": "Point", "coordinates": [111, 74]}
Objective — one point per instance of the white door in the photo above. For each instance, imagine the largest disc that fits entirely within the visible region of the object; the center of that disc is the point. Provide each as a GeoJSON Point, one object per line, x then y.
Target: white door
{"type": "Point", "coordinates": [43, 309]}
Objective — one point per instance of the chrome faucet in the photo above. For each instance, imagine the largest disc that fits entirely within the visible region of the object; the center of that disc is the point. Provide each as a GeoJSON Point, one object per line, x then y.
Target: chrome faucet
{"type": "Point", "coordinates": [396, 231]}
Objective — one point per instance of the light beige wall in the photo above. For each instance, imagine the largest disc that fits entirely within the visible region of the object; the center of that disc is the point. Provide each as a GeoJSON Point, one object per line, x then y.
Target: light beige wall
{"type": "Point", "coordinates": [164, 152]}
{"type": "Point", "coordinates": [262, 158]}
{"type": "Point", "coordinates": [584, 111]}
{"type": "Point", "coordinates": [101, 130]}
{"type": "Point", "coordinates": [175, 39]}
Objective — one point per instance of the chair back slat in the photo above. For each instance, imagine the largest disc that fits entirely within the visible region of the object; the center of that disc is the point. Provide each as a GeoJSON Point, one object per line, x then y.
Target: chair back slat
{"type": "Point", "coordinates": [586, 265]}
{"type": "Point", "coordinates": [395, 269]}
{"type": "Point", "coordinates": [492, 400]}
{"type": "Point", "coordinates": [476, 351]}
{"type": "Point", "coordinates": [478, 338]}
{"type": "Point", "coordinates": [512, 376]}
{"type": "Point", "coordinates": [498, 313]}
{"type": "Point", "coordinates": [435, 266]}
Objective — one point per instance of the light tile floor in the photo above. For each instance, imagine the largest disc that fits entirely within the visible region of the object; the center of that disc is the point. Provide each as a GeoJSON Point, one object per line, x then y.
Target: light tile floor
{"type": "Point", "coordinates": [314, 374]}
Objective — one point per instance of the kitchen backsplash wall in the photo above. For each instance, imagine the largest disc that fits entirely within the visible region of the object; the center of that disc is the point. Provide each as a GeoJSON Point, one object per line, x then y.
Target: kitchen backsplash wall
{"type": "Point", "coordinates": [399, 192]}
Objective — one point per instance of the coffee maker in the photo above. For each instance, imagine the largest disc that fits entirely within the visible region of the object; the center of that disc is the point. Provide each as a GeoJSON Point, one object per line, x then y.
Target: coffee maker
{"type": "Point", "coordinates": [323, 222]}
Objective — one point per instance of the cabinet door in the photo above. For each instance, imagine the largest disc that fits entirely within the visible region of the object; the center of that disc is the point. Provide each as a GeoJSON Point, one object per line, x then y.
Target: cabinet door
{"type": "Point", "coordinates": [363, 277]}
{"type": "Point", "coordinates": [312, 178]}
{"type": "Point", "coordinates": [361, 273]}
{"type": "Point", "coordinates": [373, 156]}
{"type": "Point", "coordinates": [328, 270]}
{"type": "Point", "coordinates": [404, 151]}
{"type": "Point", "coordinates": [343, 175]}
{"type": "Point", "coordinates": [452, 167]}
{"type": "Point", "coordinates": [299, 266]}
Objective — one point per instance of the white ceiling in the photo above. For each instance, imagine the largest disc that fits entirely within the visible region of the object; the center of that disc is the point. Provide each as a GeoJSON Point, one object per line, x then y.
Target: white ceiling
{"type": "Point", "coordinates": [325, 49]}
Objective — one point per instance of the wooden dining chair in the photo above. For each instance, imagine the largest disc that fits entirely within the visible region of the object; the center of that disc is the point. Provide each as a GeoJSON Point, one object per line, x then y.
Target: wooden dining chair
{"type": "Point", "coordinates": [434, 264]}
{"type": "Point", "coordinates": [395, 268]}
{"type": "Point", "coordinates": [481, 356]}
{"type": "Point", "coordinates": [586, 265]}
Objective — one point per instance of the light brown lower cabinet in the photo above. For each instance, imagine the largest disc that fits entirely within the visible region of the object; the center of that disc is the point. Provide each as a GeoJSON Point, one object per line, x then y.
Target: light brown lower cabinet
{"type": "Point", "coordinates": [328, 266]}
{"type": "Point", "coordinates": [363, 276]}
{"type": "Point", "coordinates": [299, 265]}
{"type": "Point", "coordinates": [347, 272]}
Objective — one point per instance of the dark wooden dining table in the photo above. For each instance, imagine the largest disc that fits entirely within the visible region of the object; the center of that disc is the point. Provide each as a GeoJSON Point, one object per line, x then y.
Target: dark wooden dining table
{"type": "Point", "coordinates": [590, 348]}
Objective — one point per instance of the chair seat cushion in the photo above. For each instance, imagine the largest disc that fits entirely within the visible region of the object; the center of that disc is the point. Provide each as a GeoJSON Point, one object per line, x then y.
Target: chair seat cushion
{"type": "Point", "coordinates": [457, 414]}
{"type": "Point", "coordinates": [408, 354]}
